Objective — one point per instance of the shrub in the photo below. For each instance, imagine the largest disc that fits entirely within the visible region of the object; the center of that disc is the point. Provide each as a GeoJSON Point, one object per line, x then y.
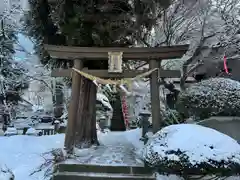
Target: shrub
{"type": "Point", "coordinates": [212, 97]}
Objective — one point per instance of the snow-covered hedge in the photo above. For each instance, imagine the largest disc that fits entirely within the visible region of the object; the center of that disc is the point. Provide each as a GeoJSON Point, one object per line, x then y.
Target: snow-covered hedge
{"type": "Point", "coordinates": [186, 149]}
{"type": "Point", "coordinates": [215, 96]}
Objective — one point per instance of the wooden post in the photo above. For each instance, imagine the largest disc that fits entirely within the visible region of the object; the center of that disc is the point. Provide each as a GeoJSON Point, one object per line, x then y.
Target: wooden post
{"type": "Point", "coordinates": [73, 107]}
{"type": "Point", "coordinates": [155, 100]}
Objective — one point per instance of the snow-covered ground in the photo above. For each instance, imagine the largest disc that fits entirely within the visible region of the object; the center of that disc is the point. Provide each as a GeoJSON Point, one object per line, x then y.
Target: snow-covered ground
{"type": "Point", "coordinates": [116, 148]}
{"type": "Point", "coordinates": [23, 154]}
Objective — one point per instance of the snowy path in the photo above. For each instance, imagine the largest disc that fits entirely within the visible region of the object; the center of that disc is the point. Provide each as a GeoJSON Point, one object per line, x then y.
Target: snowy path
{"type": "Point", "coordinates": [115, 149]}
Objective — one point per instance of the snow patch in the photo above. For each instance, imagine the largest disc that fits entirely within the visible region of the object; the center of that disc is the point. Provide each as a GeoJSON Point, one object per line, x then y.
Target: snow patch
{"type": "Point", "coordinates": [104, 100]}
{"type": "Point", "coordinates": [36, 108]}
{"type": "Point", "coordinates": [10, 131]}
{"type": "Point", "coordinates": [168, 177]}
{"type": "Point", "coordinates": [6, 174]}
{"type": "Point", "coordinates": [116, 149]}
{"type": "Point", "coordinates": [31, 131]}
{"type": "Point", "coordinates": [23, 154]}
{"type": "Point", "coordinates": [133, 136]}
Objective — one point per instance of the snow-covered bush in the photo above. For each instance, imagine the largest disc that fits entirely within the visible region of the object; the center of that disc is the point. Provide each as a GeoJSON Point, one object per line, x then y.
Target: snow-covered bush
{"type": "Point", "coordinates": [6, 173]}
{"type": "Point", "coordinates": [186, 149]}
{"type": "Point", "coordinates": [11, 131]}
{"type": "Point", "coordinates": [215, 96]}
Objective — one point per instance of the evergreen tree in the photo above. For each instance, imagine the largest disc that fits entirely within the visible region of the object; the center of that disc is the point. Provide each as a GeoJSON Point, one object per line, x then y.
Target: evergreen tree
{"type": "Point", "coordinates": [91, 23]}
{"type": "Point", "coordinates": [40, 26]}
{"type": "Point", "coordinates": [11, 74]}
{"type": "Point", "coordinates": [102, 23]}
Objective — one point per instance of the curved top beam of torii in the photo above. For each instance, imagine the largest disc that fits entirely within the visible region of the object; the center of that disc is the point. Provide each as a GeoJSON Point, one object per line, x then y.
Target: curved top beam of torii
{"type": "Point", "coordinates": [101, 53]}
{"type": "Point", "coordinates": [129, 53]}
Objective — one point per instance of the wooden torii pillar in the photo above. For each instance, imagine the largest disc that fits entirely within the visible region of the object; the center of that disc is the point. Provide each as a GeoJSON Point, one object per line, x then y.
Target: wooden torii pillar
{"type": "Point", "coordinates": [152, 55]}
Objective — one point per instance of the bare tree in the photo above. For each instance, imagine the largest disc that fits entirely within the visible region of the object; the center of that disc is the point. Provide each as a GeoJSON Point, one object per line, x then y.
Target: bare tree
{"type": "Point", "coordinates": [228, 13]}
{"type": "Point", "coordinates": [198, 24]}
{"type": "Point", "coordinates": [188, 67]}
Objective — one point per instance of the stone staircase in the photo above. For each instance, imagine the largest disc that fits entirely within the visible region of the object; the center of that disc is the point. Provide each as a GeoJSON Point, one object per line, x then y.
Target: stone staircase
{"type": "Point", "coordinates": [101, 172]}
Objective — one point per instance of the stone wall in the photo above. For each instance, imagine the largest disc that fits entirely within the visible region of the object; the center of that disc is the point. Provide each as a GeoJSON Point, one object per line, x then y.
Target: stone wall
{"type": "Point", "coordinates": [227, 125]}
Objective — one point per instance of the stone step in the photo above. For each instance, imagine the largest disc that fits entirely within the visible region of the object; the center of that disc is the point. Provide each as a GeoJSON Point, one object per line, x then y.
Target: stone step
{"type": "Point", "coordinates": [87, 168]}
{"type": "Point", "coordinates": [99, 176]}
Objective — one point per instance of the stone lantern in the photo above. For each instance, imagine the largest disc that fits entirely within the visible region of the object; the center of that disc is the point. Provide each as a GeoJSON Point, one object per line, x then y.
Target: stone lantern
{"type": "Point", "coordinates": [144, 123]}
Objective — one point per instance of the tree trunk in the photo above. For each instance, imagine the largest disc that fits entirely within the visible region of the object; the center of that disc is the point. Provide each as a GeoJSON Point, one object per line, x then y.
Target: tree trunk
{"type": "Point", "coordinates": [86, 134]}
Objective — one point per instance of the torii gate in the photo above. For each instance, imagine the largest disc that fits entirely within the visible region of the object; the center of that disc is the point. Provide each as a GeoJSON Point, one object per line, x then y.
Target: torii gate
{"type": "Point", "coordinates": [152, 55]}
